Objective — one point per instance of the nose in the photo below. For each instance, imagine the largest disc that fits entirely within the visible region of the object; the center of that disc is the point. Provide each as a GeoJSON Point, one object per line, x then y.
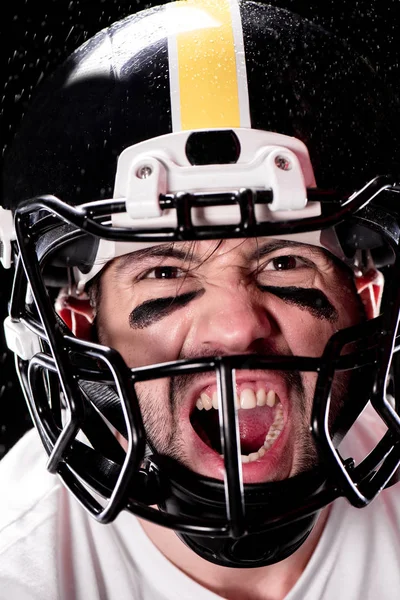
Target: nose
{"type": "Point", "coordinates": [234, 321]}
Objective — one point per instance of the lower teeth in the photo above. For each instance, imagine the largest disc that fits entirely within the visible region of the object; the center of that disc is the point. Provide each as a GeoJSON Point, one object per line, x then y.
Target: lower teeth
{"type": "Point", "coordinates": [271, 437]}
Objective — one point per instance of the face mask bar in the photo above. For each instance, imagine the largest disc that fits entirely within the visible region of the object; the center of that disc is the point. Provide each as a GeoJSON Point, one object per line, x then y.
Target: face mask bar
{"type": "Point", "coordinates": [87, 217]}
{"type": "Point", "coordinates": [364, 482]}
{"type": "Point", "coordinates": [127, 475]}
{"type": "Point", "coordinates": [359, 484]}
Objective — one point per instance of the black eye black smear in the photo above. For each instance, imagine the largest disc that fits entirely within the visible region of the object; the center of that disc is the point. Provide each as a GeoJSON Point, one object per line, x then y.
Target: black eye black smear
{"type": "Point", "coordinates": [309, 299]}
{"type": "Point", "coordinates": [152, 311]}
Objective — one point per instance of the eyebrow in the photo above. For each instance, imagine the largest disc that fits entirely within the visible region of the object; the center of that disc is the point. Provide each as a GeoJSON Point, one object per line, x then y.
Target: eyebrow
{"type": "Point", "coordinates": [172, 251]}
{"type": "Point", "coordinates": [160, 251]}
{"type": "Point", "coordinates": [273, 245]}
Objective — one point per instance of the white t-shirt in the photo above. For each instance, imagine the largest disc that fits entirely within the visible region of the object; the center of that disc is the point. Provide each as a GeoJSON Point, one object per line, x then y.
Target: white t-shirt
{"type": "Point", "coordinates": [51, 549]}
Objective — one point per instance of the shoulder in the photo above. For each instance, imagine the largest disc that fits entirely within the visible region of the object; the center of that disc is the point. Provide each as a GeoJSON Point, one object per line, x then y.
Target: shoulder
{"type": "Point", "coordinates": [29, 502]}
{"type": "Point", "coordinates": [28, 491]}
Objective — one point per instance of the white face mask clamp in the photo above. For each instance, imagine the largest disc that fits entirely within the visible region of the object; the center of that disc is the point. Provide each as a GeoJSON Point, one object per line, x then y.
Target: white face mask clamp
{"type": "Point", "coordinates": [267, 161]}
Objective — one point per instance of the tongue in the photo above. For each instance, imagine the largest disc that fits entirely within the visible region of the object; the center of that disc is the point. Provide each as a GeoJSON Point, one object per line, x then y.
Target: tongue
{"type": "Point", "coordinates": [253, 426]}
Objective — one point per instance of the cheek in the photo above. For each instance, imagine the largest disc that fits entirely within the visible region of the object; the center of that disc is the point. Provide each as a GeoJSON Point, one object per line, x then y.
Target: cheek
{"type": "Point", "coordinates": [304, 334]}
{"type": "Point", "coordinates": [153, 396]}
{"type": "Point", "coordinates": [311, 334]}
{"type": "Point", "coordinates": [160, 342]}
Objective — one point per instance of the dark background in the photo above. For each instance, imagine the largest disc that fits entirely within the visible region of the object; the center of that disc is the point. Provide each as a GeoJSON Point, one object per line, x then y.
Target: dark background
{"type": "Point", "coordinates": [36, 36]}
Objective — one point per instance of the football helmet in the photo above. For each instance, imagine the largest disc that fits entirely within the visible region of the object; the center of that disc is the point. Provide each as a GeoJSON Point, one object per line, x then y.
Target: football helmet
{"type": "Point", "coordinates": [203, 120]}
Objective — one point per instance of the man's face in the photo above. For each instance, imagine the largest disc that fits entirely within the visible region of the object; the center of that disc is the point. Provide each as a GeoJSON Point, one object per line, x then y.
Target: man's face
{"type": "Point", "coordinates": [186, 300]}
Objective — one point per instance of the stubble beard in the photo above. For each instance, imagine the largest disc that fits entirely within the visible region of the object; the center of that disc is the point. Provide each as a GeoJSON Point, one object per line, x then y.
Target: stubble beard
{"type": "Point", "coordinates": [160, 409]}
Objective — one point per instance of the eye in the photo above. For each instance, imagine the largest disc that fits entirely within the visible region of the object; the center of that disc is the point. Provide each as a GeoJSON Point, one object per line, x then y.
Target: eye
{"type": "Point", "coordinates": [285, 263]}
{"type": "Point", "coordinates": [164, 272]}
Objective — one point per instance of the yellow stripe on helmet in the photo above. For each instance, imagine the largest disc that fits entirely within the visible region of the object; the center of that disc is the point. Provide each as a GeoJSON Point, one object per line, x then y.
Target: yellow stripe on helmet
{"type": "Point", "coordinates": [208, 86]}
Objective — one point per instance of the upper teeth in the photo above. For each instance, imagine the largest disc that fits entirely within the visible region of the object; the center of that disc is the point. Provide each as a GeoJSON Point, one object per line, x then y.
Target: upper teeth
{"type": "Point", "coordinates": [246, 399]}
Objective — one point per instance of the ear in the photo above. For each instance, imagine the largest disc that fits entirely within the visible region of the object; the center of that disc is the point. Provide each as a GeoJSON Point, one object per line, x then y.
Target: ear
{"type": "Point", "coordinates": [76, 312]}
{"type": "Point", "coordinates": [369, 286]}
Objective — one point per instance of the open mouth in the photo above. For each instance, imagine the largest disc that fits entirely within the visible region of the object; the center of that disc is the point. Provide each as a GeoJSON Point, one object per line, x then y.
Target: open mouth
{"type": "Point", "coordinates": [260, 414]}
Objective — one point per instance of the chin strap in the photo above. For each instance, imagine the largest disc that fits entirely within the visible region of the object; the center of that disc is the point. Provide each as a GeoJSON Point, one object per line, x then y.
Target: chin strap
{"type": "Point", "coordinates": [275, 529]}
{"type": "Point", "coordinates": [254, 550]}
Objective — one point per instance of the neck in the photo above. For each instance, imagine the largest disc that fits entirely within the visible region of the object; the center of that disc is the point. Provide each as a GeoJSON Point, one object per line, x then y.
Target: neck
{"type": "Point", "coordinates": [235, 584]}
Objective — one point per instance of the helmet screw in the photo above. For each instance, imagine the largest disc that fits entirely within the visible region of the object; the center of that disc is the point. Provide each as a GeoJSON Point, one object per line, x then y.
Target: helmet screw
{"type": "Point", "coordinates": [144, 172]}
{"type": "Point", "coordinates": [283, 163]}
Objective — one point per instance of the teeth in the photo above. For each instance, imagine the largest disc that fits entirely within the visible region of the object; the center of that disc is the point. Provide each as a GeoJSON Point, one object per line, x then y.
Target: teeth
{"type": "Point", "coordinates": [261, 397]}
{"type": "Point", "coordinates": [275, 429]}
{"type": "Point", "coordinates": [253, 456]}
{"type": "Point", "coordinates": [271, 398]}
{"type": "Point", "coordinates": [246, 400]}
{"type": "Point", "coordinates": [206, 401]}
